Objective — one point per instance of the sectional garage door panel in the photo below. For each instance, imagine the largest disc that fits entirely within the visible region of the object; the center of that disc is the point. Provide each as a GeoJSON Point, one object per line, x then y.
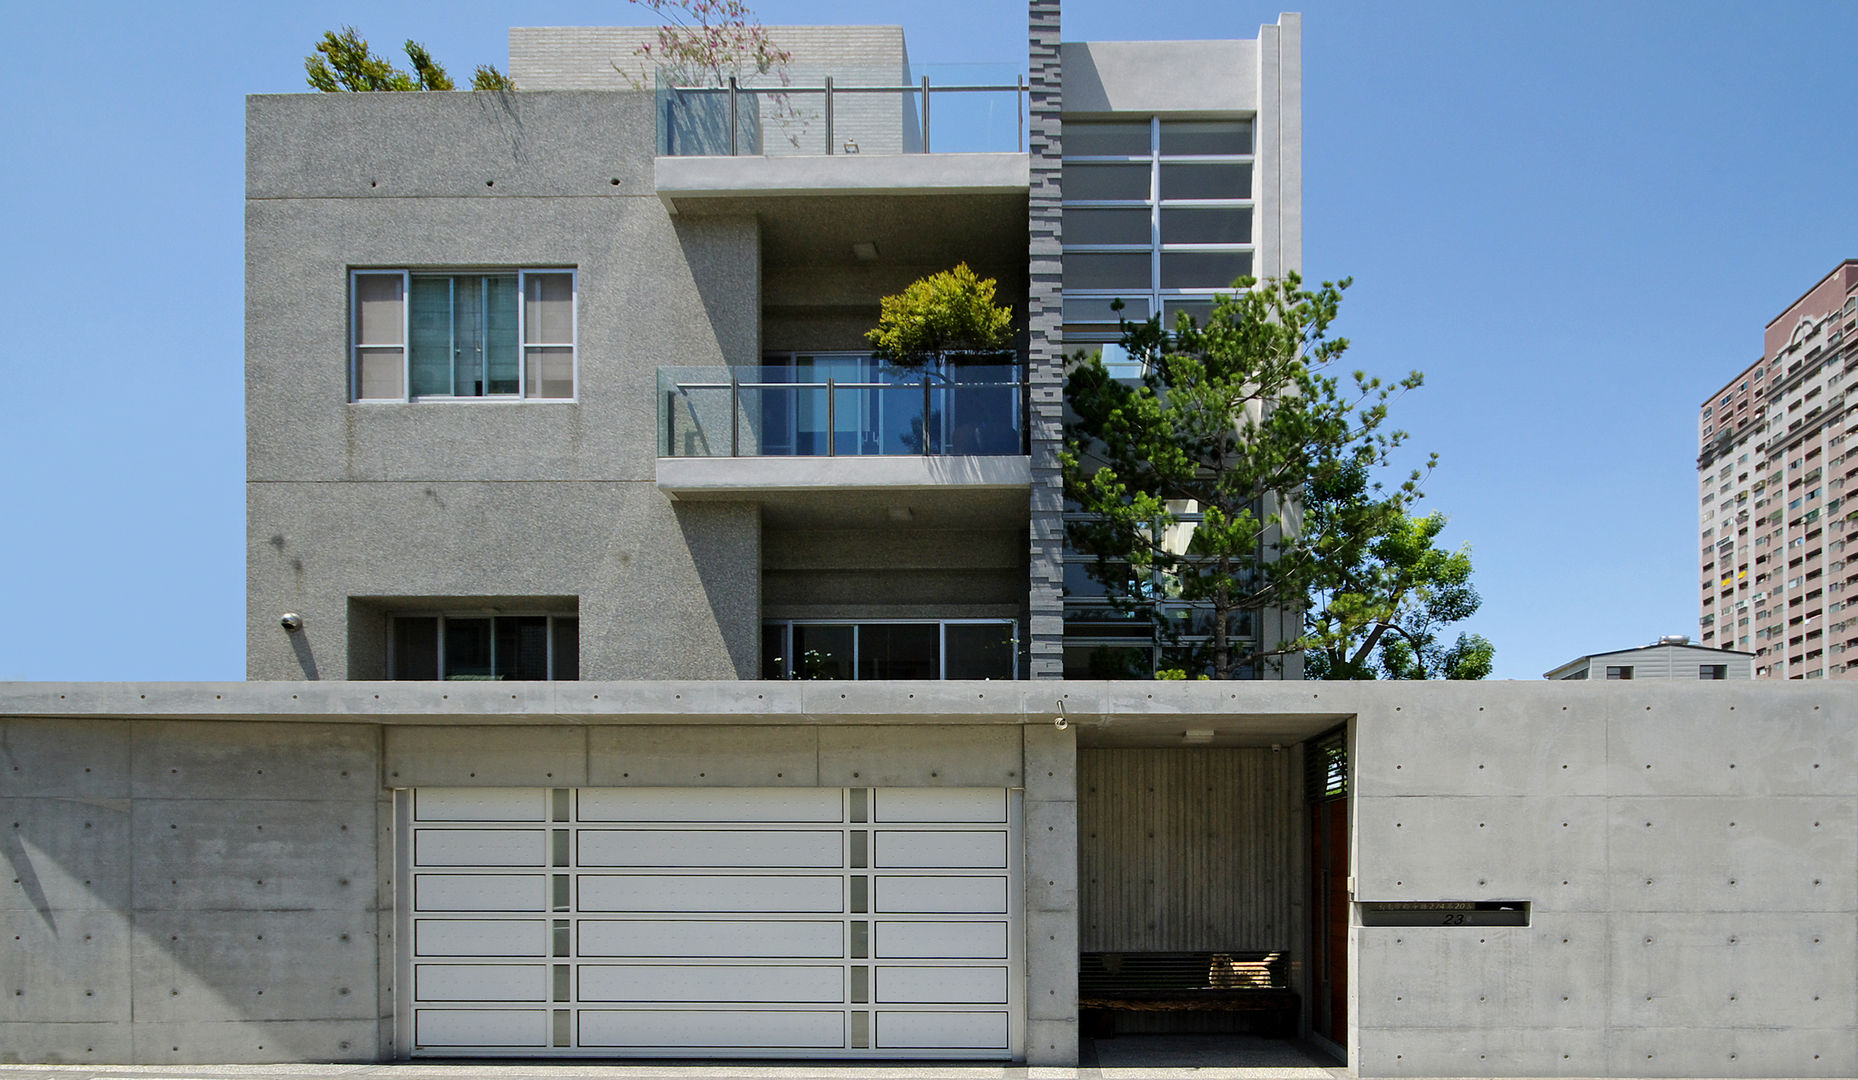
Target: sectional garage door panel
{"type": "Point", "coordinates": [712, 847]}
{"type": "Point", "coordinates": [749, 922]}
{"type": "Point", "coordinates": [713, 1030]}
{"type": "Point", "coordinates": [762, 939]}
{"type": "Point", "coordinates": [483, 1028]}
{"type": "Point", "coordinates": [480, 937]}
{"type": "Point", "coordinates": [713, 893]}
{"type": "Point", "coordinates": [719, 984]}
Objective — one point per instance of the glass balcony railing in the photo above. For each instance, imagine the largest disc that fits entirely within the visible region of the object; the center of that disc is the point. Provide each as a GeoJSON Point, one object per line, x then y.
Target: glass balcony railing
{"type": "Point", "coordinates": [840, 407]}
{"type": "Point", "coordinates": [945, 109]}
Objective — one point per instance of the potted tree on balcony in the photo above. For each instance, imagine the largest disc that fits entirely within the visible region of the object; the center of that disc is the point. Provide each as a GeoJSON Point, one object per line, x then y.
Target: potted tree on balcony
{"type": "Point", "coordinates": [948, 328]}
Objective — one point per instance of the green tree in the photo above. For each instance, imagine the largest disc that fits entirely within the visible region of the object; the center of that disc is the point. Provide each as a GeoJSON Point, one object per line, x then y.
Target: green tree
{"type": "Point", "coordinates": [945, 314]}
{"type": "Point", "coordinates": [1378, 607]}
{"type": "Point", "coordinates": [345, 62]}
{"type": "Point", "coordinates": [1193, 479]}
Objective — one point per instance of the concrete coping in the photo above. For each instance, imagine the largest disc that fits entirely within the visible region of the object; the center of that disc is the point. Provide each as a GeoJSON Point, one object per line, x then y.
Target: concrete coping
{"type": "Point", "coordinates": [681, 178]}
{"type": "Point", "coordinates": [717, 477]}
{"type": "Point", "coordinates": [1251, 706]}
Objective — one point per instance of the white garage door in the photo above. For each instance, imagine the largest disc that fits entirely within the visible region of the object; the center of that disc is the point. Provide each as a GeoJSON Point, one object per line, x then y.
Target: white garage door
{"type": "Point", "coordinates": [705, 922]}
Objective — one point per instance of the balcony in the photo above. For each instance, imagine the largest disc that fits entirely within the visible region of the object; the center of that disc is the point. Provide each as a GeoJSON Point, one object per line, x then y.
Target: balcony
{"type": "Point", "coordinates": [915, 153]}
{"type": "Point", "coordinates": [875, 109]}
{"type": "Point", "coordinates": [840, 421]}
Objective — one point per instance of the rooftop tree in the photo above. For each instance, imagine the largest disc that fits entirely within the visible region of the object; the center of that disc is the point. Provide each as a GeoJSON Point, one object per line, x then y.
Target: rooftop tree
{"type": "Point", "coordinates": [344, 62]}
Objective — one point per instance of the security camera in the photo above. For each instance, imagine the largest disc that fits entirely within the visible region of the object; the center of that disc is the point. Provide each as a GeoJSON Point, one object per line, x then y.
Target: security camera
{"type": "Point", "coordinates": [291, 622]}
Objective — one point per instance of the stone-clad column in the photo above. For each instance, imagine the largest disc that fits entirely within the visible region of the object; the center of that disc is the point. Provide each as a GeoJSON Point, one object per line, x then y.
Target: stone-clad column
{"type": "Point", "coordinates": [1045, 362]}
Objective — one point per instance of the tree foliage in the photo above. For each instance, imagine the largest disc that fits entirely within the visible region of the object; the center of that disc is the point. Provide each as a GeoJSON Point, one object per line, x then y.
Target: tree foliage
{"type": "Point", "coordinates": [942, 314]}
{"type": "Point", "coordinates": [344, 62]}
{"type": "Point", "coordinates": [1237, 475]}
{"type": "Point", "coordinates": [1379, 606]}
{"type": "Point", "coordinates": [704, 43]}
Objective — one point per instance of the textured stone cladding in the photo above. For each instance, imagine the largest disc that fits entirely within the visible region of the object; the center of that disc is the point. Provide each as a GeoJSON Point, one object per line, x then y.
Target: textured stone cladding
{"type": "Point", "coordinates": [1045, 373]}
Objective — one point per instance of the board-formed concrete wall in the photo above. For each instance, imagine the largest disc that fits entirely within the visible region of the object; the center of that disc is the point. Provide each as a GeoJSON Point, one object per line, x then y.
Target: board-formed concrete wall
{"type": "Point", "coordinates": [1691, 855]}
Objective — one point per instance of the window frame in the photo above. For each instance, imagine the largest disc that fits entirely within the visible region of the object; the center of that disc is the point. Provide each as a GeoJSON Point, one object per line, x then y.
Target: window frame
{"type": "Point", "coordinates": [1156, 298]}
{"type": "Point", "coordinates": [523, 346]}
{"type": "Point", "coordinates": [393, 661]}
{"type": "Point", "coordinates": [787, 641]}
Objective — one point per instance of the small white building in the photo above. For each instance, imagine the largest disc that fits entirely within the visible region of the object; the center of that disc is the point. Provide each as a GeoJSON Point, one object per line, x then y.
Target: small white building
{"type": "Point", "coordinates": [1670, 657]}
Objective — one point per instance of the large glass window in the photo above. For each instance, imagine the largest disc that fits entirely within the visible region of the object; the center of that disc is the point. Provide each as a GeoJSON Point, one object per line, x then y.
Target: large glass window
{"type": "Point", "coordinates": [465, 647]}
{"type": "Point", "coordinates": [425, 336]}
{"type": "Point", "coordinates": [890, 649]}
{"type": "Point", "coordinates": [1158, 214]}
{"type": "Point", "coordinates": [1122, 622]}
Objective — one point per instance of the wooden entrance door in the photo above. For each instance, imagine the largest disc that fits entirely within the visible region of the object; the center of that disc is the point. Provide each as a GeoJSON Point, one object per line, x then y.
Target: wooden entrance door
{"type": "Point", "coordinates": [1326, 789]}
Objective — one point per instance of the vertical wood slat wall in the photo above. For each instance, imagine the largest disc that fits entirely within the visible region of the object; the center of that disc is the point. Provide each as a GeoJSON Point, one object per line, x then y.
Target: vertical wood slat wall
{"type": "Point", "coordinates": [1189, 849]}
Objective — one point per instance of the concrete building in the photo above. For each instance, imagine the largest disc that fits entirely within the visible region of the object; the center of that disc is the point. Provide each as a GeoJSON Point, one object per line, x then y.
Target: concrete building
{"type": "Point", "coordinates": [1772, 465]}
{"type": "Point", "coordinates": [575, 512]}
{"type": "Point", "coordinates": [1670, 657]}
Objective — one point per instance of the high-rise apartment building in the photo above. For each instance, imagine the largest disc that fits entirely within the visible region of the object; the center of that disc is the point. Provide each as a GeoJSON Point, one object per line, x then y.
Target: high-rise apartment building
{"type": "Point", "coordinates": [1778, 446]}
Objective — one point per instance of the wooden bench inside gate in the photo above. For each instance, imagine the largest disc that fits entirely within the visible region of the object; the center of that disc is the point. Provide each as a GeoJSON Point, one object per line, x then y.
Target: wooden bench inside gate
{"type": "Point", "coordinates": [1256, 982]}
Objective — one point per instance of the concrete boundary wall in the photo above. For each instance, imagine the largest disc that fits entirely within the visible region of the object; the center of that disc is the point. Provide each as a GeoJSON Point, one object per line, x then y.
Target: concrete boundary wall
{"type": "Point", "coordinates": [201, 872]}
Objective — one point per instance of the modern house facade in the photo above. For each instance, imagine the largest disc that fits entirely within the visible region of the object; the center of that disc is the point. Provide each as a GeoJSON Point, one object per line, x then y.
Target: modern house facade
{"type": "Point", "coordinates": [1772, 467]}
{"type": "Point", "coordinates": [639, 671]}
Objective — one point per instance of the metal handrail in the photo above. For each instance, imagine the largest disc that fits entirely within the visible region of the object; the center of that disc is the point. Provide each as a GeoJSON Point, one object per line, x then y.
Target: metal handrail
{"type": "Point", "coordinates": [1021, 89]}
{"type": "Point", "coordinates": [927, 384]}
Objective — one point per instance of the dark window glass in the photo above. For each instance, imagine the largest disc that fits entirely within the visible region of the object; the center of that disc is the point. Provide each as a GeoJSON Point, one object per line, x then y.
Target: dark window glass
{"type": "Point", "coordinates": [1106, 270]}
{"type": "Point", "coordinates": [1107, 181]}
{"type": "Point", "coordinates": [822, 652]}
{"type": "Point", "coordinates": [774, 652]}
{"type": "Point", "coordinates": [522, 647]}
{"type": "Point", "coordinates": [907, 651]}
{"type": "Point", "coordinates": [467, 649]}
{"type": "Point", "coordinates": [1084, 138]}
{"type": "Point", "coordinates": [1104, 225]}
{"type": "Point", "coordinates": [979, 650]}
{"type": "Point", "coordinates": [1713, 671]}
{"type": "Point", "coordinates": [1109, 662]}
{"type": "Point", "coordinates": [1200, 310]}
{"type": "Point", "coordinates": [1096, 309]}
{"type": "Point", "coordinates": [416, 648]}
{"type": "Point", "coordinates": [1203, 225]}
{"type": "Point", "coordinates": [1198, 137]}
{"type": "Point", "coordinates": [1201, 182]}
{"type": "Point", "coordinates": [1619, 673]}
{"type": "Point", "coordinates": [567, 648]}
{"type": "Point", "coordinates": [1200, 269]}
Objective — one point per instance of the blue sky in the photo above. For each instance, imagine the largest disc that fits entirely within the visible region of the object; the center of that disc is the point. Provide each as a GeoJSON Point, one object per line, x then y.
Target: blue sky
{"type": "Point", "coordinates": [1574, 218]}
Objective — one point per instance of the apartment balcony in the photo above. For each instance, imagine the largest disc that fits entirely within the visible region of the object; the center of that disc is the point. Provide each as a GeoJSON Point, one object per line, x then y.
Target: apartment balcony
{"type": "Point", "coordinates": [842, 424]}
{"type": "Point", "coordinates": [868, 134]}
